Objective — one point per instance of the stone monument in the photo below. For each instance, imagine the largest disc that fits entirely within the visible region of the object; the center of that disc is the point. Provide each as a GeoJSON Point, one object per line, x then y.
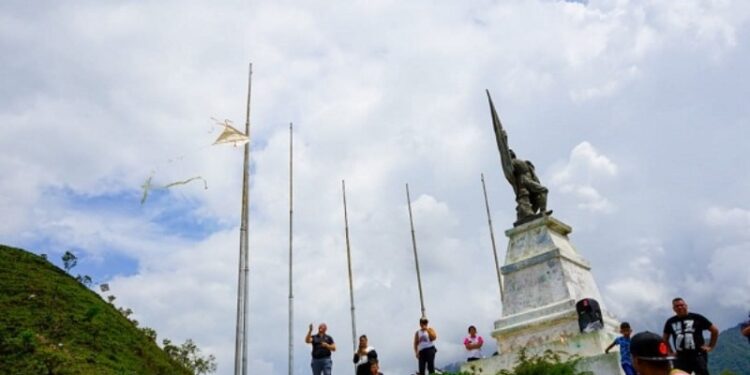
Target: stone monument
{"type": "Point", "coordinates": [544, 278]}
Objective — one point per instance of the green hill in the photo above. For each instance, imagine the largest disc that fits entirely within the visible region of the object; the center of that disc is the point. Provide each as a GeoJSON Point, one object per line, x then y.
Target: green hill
{"type": "Point", "coordinates": [52, 324]}
{"type": "Point", "coordinates": [732, 353]}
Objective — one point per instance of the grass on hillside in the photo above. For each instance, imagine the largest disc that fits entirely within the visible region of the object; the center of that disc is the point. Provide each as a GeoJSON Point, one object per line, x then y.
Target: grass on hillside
{"type": "Point", "coordinates": [52, 324]}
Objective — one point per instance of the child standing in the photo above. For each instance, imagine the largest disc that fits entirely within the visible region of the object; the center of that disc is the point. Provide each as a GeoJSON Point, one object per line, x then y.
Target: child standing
{"type": "Point", "coordinates": [624, 342]}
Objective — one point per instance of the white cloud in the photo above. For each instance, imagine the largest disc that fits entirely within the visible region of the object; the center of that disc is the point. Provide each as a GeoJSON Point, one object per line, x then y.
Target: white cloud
{"type": "Point", "coordinates": [634, 294]}
{"type": "Point", "coordinates": [735, 219]}
{"type": "Point", "coordinates": [380, 94]}
{"type": "Point", "coordinates": [641, 288]}
{"type": "Point", "coordinates": [730, 228]}
{"type": "Point", "coordinates": [585, 167]}
{"type": "Point", "coordinates": [726, 267]}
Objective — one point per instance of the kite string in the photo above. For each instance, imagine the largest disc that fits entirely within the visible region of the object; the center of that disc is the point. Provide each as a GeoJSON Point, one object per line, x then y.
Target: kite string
{"type": "Point", "coordinates": [237, 137]}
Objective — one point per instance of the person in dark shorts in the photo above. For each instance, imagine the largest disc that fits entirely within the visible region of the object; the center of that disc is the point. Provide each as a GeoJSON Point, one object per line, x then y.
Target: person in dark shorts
{"type": "Point", "coordinates": [685, 332]}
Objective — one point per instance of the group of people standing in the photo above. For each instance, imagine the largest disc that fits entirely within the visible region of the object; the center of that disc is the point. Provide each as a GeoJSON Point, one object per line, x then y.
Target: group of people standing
{"type": "Point", "coordinates": [366, 358]}
{"type": "Point", "coordinates": [680, 350]}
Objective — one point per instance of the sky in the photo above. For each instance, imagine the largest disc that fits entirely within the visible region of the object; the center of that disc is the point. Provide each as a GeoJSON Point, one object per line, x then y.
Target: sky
{"type": "Point", "coordinates": [634, 113]}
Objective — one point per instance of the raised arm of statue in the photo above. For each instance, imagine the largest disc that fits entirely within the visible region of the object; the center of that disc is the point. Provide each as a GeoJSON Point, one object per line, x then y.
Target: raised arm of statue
{"type": "Point", "coordinates": [531, 195]}
{"type": "Point", "coordinates": [502, 146]}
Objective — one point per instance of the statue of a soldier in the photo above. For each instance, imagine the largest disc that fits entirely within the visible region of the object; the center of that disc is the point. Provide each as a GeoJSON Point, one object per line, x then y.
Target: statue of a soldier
{"type": "Point", "coordinates": [531, 196]}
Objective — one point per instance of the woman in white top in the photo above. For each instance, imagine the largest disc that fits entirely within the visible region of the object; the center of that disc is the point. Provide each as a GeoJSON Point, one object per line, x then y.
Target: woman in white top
{"type": "Point", "coordinates": [473, 344]}
{"type": "Point", "coordinates": [364, 355]}
{"type": "Point", "coordinates": [424, 348]}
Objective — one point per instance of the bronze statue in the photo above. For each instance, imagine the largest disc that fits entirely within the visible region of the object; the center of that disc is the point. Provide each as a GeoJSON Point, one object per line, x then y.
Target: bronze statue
{"type": "Point", "coordinates": [531, 196]}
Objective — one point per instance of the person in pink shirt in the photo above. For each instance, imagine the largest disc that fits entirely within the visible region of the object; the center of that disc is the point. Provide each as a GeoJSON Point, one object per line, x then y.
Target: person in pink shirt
{"type": "Point", "coordinates": [473, 344]}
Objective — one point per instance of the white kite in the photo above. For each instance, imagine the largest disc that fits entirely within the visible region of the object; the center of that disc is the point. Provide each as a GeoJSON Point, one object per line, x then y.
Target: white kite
{"type": "Point", "coordinates": [230, 134]}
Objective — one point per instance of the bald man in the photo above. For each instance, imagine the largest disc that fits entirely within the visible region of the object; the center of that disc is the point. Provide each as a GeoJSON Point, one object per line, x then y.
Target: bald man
{"type": "Point", "coordinates": [322, 346]}
{"type": "Point", "coordinates": [686, 331]}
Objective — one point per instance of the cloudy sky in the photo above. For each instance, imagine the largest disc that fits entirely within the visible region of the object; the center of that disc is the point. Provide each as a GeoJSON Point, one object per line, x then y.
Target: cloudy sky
{"type": "Point", "coordinates": [634, 112]}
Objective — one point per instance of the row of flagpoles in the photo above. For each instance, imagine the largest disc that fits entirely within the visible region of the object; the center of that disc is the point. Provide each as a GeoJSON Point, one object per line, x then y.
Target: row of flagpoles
{"type": "Point", "coordinates": [234, 136]}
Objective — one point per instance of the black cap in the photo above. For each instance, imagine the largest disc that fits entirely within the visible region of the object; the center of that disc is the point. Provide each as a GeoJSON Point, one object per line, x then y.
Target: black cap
{"type": "Point", "coordinates": [649, 346]}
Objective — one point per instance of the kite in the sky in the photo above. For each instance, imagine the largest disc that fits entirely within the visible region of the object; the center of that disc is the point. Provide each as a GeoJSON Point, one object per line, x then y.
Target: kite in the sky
{"type": "Point", "coordinates": [230, 134]}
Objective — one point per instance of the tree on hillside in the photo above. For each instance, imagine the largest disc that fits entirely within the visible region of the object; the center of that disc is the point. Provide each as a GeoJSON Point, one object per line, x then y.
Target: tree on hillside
{"type": "Point", "coordinates": [69, 261]}
{"type": "Point", "coordinates": [149, 332]}
{"type": "Point", "coordinates": [189, 355]}
{"type": "Point", "coordinates": [85, 280]}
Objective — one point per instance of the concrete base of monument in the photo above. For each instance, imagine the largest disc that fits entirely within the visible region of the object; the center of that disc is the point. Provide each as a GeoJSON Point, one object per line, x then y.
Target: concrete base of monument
{"type": "Point", "coordinates": [602, 364]}
{"type": "Point", "coordinates": [589, 346]}
{"type": "Point", "coordinates": [554, 326]}
{"type": "Point", "coordinates": [544, 277]}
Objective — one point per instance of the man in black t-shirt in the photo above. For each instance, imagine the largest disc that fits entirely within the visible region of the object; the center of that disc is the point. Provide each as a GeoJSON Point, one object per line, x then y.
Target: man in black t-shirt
{"type": "Point", "coordinates": [685, 330]}
{"type": "Point", "coordinates": [322, 346]}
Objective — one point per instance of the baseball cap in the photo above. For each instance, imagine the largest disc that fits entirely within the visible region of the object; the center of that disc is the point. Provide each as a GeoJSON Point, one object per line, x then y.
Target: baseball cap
{"type": "Point", "coordinates": [649, 346]}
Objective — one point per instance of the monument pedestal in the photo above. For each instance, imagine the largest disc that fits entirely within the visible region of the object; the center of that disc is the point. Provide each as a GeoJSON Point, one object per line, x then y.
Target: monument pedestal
{"type": "Point", "coordinates": [544, 277]}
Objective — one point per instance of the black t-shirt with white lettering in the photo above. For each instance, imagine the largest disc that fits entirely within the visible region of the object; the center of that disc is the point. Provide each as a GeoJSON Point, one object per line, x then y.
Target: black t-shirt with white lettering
{"type": "Point", "coordinates": [687, 332]}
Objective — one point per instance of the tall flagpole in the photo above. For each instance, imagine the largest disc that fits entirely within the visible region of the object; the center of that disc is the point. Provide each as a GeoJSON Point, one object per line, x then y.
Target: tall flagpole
{"type": "Point", "coordinates": [240, 349]}
{"type": "Point", "coordinates": [414, 245]}
{"type": "Point", "coordinates": [492, 237]}
{"type": "Point", "coordinates": [349, 263]}
{"type": "Point", "coordinates": [291, 293]}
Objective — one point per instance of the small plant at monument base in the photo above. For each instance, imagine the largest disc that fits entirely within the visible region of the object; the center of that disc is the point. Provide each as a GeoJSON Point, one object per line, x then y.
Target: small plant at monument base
{"type": "Point", "coordinates": [548, 363]}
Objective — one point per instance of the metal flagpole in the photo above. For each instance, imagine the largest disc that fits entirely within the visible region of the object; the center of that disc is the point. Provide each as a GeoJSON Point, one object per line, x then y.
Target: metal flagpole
{"type": "Point", "coordinates": [349, 263]}
{"type": "Point", "coordinates": [492, 237]}
{"type": "Point", "coordinates": [240, 350]}
{"type": "Point", "coordinates": [291, 294]}
{"type": "Point", "coordinates": [414, 245]}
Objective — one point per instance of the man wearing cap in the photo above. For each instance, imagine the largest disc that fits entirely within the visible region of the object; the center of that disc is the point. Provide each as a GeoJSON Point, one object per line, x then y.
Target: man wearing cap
{"type": "Point", "coordinates": [651, 356]}
{"type": "Point", "coordinates": [686, 331]}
